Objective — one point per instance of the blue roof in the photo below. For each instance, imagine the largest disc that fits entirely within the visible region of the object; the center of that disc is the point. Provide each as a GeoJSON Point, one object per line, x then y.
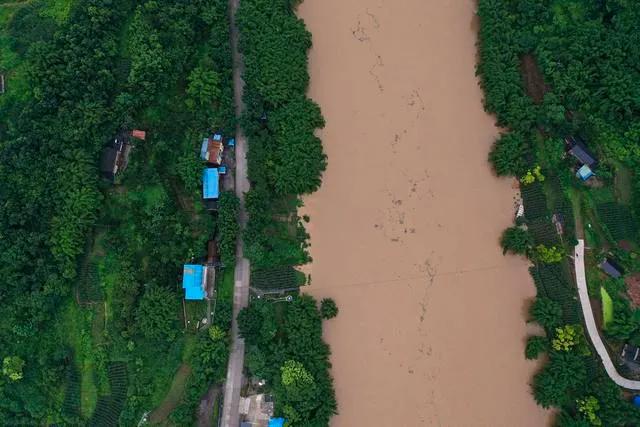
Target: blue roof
{"type": "Point", "coordinates": [585, 173]}
{"type": "Point", "coordinates": [636, 401]}
{"type": "Point", "coordinates": [204, 148]}
{"type": "Point", "coordinates": [192, 281]}
{"type": "Point", "coordinates": [210, 183]}
{"type": "Point", "coordinates": [276, 422]}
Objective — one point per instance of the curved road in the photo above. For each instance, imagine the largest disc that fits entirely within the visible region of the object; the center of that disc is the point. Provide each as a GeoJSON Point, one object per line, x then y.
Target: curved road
{"type": "Point", "coordinates": [233, 384]}
{"type": "Point", "coordinates": [591, 323]}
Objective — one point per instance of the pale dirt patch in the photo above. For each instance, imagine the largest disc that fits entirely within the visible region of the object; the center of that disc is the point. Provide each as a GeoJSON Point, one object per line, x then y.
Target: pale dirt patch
{"type": "Point", "coordinates": [405, 228]}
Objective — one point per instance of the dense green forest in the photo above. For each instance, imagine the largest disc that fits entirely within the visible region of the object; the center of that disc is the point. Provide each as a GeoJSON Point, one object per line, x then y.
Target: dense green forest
{"type": "Point", "coordinates": [92, 322]}
{"type": "Point", "coordinates": [551, 69]}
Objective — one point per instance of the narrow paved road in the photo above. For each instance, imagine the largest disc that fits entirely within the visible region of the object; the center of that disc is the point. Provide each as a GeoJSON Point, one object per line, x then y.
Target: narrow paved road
{"type": "Point", "coordinates": [587, 312]}
{"type": "Point", "coordinates": [230, 416]}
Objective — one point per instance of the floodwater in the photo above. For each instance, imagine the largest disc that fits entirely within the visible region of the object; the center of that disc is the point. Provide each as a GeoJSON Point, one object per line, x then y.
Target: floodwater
{"type": "Point", "coordinates": [405, 228]}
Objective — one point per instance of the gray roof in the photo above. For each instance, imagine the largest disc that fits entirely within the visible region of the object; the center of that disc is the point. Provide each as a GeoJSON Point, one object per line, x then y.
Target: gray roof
{"type": "Point", "coordinates": [611, 268]}
{"type": "Point", "coordinates": [631, 353]}
{"type": "Point", "coordinates": [579, 150]}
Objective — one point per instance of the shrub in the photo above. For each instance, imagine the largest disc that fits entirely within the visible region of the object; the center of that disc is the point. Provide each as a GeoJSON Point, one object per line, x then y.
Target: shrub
{"type": "Point", "coordinates": [535, 345]}
{"type": "Point", "coordinates": [328, 308]}
{"type": "Point", "coordinates": [508, 154]}
{"type": "Point", "coordinates": [546, 312]}
{"type": "Point", "coordinates": [516, 240]}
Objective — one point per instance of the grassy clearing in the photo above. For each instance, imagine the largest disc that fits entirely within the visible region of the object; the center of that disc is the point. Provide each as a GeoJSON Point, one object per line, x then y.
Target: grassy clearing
{"type": "Point", "coordinates": [196, 311]}
{"type": "Point", "coordinates": [607, 307]}
{"type": "Point", "coordinates": [225, 285]}
{"type": "Point", "coordinates": [75, 325]}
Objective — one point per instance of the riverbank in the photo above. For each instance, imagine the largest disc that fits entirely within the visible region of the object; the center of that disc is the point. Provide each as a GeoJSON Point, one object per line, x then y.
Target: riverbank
{"type": "Point", "coordinates": [405, 228]}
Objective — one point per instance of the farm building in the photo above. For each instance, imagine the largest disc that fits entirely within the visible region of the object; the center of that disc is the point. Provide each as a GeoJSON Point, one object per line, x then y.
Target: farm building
{"type": "Point", "coordinates": [257, 410]}
{"type": "Point", "coordinates": [631, 353]}
{"type": "Point", "coordinates": [578, 149]}
{"type": "Point", "coordinates": [115, 157]}
{"type": "Point", "coordinates": [211, 150]}
{"type": "Point", "coordinates": [584, 173]}
{"type": "Point", "coordinates": [194, 281]}
{"type": "Point", "coordinates": [610, 267]}
{"type": "Point", "coordinates": [211, 188]}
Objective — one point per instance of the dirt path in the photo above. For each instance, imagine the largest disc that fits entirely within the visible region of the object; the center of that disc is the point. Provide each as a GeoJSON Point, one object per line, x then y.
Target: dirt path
{"type": "Point", "coordinates": [173, 397]}
{"type": "Point", "coordinates": [404, 230]}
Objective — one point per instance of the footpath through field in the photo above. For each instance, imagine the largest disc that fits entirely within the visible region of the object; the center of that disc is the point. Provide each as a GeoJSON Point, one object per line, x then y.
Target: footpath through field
{"type": "Point", "coordinates": [589, 320]}
{"type": "Point", "coordinates": [230, 416]}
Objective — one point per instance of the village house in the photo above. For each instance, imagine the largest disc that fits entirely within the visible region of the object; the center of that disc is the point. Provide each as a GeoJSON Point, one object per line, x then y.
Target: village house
{"type": "Point", "coordinates": [115, 157]}
{"type": "Point", "coordinates": [211, 188]}
{"type": "Point", "coordinates": [211, 150]}
{"type": "Point", "coordinates": [194, 281]}
{"type": "Point", "coordinates": [610, 267]}
{"type": "Point", "coordinates": [578, 149]}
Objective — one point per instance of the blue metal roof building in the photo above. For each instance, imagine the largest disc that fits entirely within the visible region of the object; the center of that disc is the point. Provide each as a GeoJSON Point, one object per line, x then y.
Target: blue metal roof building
{"type": "Point", "coordinates": [192, 282]}
{"type": "Point", "coordinates": [276, 422]}
{"type": "Point", "coordinates": [211, 183]}
{"type": "Point", "coordinates": [584, 173]}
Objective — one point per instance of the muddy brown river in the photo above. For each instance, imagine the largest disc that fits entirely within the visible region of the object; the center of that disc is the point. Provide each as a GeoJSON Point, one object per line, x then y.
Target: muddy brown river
{"type": "Point", "coordinates": [405, 228]}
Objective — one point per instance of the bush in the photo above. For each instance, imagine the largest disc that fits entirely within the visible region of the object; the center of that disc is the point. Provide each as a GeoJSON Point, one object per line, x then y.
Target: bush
{"type": "Point", "coordinates": [328, 308]}
{"type": "Point", "coordinates": [508, 154]}
{"type": "Point", "coordinates": [516, 240]}
{"type": "Point", "coordinates": [535, 345]}
{"type": "Point", "coordinates": [228, 228]}
{"type": "Point", "coordinates": [546, 312]}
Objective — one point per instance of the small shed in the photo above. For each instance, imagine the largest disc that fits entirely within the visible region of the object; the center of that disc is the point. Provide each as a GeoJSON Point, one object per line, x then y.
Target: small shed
{"type": "Point", "coordinates": [139, 134]}
{"type": "Point", "coordinates": [194, 281]}
{"type": "Point", "coordinates": [584, 173]}
{"type": "Point", "coordinates": [610, 267]}
{"type": "Point", "coordinates": [579, 150]}
{"type": "Point", "coordinates": [558, 221]}
{"type": "Point", "coordinates": [631, 353]}
{"type": "Point", "coordinates": [211, 184]}
{"type": "Point", "coordinates": [1, 84]}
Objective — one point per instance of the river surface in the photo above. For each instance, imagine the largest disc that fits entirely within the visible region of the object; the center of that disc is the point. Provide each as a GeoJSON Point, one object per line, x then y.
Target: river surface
{"type": "Point", "coordinates": [405, 228]}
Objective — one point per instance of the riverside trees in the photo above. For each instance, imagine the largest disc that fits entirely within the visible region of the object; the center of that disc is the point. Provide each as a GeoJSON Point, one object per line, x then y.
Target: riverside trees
{"type": "Point", "coordinates": [285, 158]}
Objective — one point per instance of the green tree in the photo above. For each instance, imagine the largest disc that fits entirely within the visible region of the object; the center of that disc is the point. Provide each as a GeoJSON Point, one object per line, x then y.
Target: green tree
{"type": "Point", "coordinates": [546, 312]}
{"type": "Point", "coordinates": [12, 367]}
{"type": "Point", "coordinates": [566, 338]}
{"type": "Point", "coordinates": [549, 255]}
{"type": "Point", "coordinates": [535, 345]}
{"type": "Point", "coordinates": [589, 407]}
{"type": "Point", "coordinates": [157, 314]}
{"type": "Point", "coordinates": [508, 154]}
{"type": "Point", "coordinates": [295, 376]}
{"type": "Point", "coordinates": [203, 88]}
{"type": "Point", "coordinates": [516, 240]}
{"type": "Point", "coordinates": [565, 373]}
{"type": "Point", "coordinates": [328, 308]}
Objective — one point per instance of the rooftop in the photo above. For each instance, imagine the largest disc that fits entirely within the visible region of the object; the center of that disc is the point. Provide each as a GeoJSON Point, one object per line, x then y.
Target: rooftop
{"type": "Point", "coordinates": [193, 279]}
{"type": "Point", "coordinates": [211, 183]}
